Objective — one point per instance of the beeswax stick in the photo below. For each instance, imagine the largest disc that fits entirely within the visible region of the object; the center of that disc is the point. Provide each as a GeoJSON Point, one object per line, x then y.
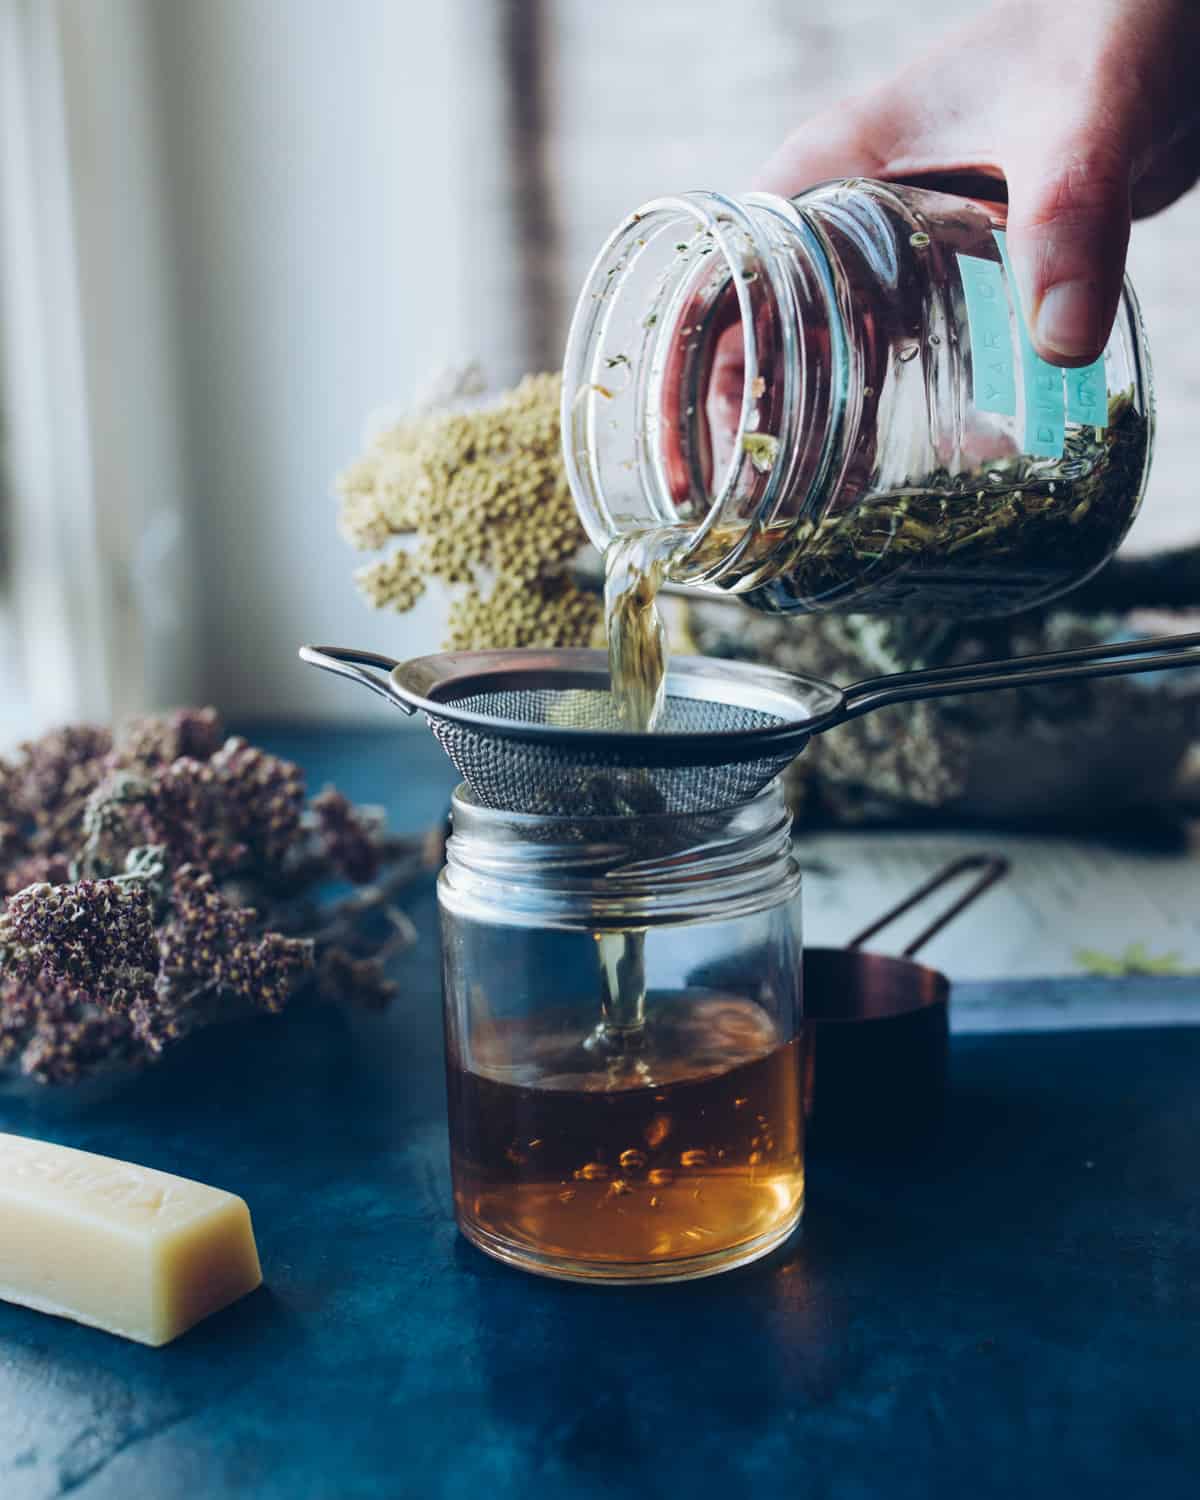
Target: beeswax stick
{"type": "Point", "coordinates": [121, 1247]}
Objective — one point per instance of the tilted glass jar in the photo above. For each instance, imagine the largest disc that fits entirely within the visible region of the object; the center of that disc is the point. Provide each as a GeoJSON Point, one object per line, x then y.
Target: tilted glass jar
{"type": "Point", "coordinates": [624, 1047]}
{"type": "Point", "coordinates": [836, 397]}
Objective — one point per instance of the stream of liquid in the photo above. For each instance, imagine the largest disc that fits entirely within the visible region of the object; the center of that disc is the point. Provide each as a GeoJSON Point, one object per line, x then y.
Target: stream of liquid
{"type": "Point", "coordinates": [635, 567]}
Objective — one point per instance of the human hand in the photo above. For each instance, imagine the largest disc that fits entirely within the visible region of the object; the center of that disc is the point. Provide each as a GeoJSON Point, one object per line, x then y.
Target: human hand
{"type": "Point", "coordinates": [1089, 111]}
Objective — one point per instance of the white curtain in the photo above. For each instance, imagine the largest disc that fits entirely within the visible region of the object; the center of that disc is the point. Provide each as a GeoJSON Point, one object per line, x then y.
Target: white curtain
{"type": "Point", "coordinates": [95, 606]}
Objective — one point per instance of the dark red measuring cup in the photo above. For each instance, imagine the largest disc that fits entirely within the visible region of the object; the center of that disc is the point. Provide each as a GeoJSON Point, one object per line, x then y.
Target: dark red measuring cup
{"type": "Point", "coordinates": [879, 1026]}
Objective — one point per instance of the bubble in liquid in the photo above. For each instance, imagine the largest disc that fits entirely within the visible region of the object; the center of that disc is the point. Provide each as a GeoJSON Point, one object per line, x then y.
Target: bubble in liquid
{"type": "Point", "coordinates": [918, 240]}
{"type": "Point", "coordinates": [592, 1171]}
{"type": "Point", "coordinates": [755, 1158]}
{"type": "Point", "coordinates": [910, 351]}
{"type": "Point", "coordinates": [740, 1103]}
{"type": "Point", "coordinates": [566, 1195]}
{"type": "Point", "coordinates": [536, 1145]}
{"type": "Point", "coordinates": [868, 391]}
{"type": "Point", "coordinates": [934, 339]}
{"type": "Point", "coordinates": [661, 1176]}
{"type": "Point", "coordinates": [632, 1159]}
{"type": "Point", "coordinates": [618, 1188]}
{"type": "Point", "coordinates": [653, 1202]}
{"type": "Point", "coordinates": [697, 1157]}
{"type": "Point", "coordinates": [658, 1130]}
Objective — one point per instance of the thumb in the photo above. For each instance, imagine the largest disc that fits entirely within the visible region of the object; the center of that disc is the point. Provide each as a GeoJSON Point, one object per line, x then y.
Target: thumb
{"type": "Point", "coordinates": [1068, 231]}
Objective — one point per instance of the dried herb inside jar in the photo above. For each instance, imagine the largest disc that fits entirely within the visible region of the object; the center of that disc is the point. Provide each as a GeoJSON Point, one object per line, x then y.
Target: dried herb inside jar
{"type": "Point", "coordinates": [1002, 543]}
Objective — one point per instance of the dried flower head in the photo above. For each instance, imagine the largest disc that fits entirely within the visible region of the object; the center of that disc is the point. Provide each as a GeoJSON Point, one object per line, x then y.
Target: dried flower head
{"type": "Point", "coordinates": [159, 739]}
{"type": "Point", "coordinates": [60, 767]}
{"type": "Point", "coordinates": [96, 936]}
{"type": "Point", "coordinates": [346, 980]}
{"type": "Point", "coordinates": [211, 944]}
{"type": "Point", "coordinates": [59, 1036]}
{"type": "Point", "coordinates": [393, 582]}
{"type": "Point", "coordinates": [166, 881]}
{"type": "Point", "coordinates": [484, 494]}
{"type": "Point", "coordinates": [262, 798]}
{"type": "Point", "coordinates": [349, 835]}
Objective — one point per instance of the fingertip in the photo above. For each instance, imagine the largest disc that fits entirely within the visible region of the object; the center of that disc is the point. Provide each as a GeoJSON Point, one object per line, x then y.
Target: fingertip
{"type": "Point", "coordinates": [1068, 223]}
{"type": "Point", "coordinates": [1070, 324]}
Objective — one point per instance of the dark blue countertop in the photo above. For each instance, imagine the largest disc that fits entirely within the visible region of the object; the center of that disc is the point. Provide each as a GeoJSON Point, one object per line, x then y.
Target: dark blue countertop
{"type": "Point", "coordinates": [1015, 1313]}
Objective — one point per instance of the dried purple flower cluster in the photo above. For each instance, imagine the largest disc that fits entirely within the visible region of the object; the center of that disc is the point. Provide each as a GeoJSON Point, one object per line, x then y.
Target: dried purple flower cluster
{"type": "Point", "coordinates": [95, 938]}
{"type": "Point", "coordinates": [350, 835]}
{"type": "Point", "coordinates": [166, 879]}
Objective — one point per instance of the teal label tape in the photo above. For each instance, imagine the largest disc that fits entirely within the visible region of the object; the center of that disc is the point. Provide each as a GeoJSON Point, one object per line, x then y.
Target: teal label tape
{"type": "Point", "coordinates": [992, 376]}
{"type": "Point", "coordinates": [1053, 396]}
{"type": "Point", "coordinates": [1045, 402]}
{"type": "Point", "coordinates": [1087, 395]}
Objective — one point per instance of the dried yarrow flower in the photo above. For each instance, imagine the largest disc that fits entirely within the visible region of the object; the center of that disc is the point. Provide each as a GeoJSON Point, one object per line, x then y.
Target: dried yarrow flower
{"type": "Point", "coordinates": [168, 880]}
{"type": "Point", "coordinates": [96, 936]}
{"type": "Point", "coordinates": [181, 814]}
{"type": "Point", "coordinates": [484, 493]}
{"type": "Point", "coordinates": [349, 835]}
{"type": "Point", "coordinates": [343, 979]}
{"type": "Point", "coordinates": [62, 766]}
{"type": "Point", "coordinates": [159, 739]}
{"type": "Point", "coordinates": [210, 943]}
{"type": "Point", "coordinates": [262, 797]}
{"type": "Point", "coordinates": [393, 582]}
{"type": "Point", "coordinates": [59, 1036]}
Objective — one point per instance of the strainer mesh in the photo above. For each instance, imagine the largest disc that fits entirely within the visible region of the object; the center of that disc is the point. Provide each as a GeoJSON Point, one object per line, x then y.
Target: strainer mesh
{"type": "Point", "coordinates": [580, 780]}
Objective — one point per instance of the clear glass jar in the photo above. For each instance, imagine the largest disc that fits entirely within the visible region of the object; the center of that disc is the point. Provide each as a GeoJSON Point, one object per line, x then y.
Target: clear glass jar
{"type": "Point", "coordinates": [624, 1046]}
{"type": "Point", "coordinates": [837, 398]}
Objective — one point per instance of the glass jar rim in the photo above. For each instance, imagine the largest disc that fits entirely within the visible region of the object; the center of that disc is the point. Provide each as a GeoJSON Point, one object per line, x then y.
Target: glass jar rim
{"type": "Point", "coordinates": [616, 872]}
{"type": "Point", "coordinates": [765, 223]}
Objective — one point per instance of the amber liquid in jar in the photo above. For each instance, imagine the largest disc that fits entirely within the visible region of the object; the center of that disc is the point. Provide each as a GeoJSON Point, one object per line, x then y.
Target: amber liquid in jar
{"type": "Point", "coordinates": [637, 1168]}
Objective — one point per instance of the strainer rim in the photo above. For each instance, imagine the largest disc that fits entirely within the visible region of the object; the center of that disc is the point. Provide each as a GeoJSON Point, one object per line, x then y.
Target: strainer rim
{"type": "Point", "coordinates": [416, 683]}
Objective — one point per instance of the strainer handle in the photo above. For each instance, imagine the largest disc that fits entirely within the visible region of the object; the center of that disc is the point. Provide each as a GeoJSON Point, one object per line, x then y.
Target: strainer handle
{"type": "Point", "coordinates": [1154, 654]}
{"type": "Point", "coordinates": [343, 661]}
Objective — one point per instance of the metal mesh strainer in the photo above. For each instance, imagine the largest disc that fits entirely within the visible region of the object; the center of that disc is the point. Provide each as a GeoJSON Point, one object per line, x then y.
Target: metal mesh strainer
{"type": "Point", "coordinates": [553, 778]}
{"type": "Point", "coordinates": [537, 731]}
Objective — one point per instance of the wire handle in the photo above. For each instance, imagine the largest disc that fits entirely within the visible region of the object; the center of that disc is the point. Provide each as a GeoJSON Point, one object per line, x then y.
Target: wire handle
{"type": "Point", "coordinates": [1156, 653]}
{"type": "Point", "coordinates": [992, 867]}
{"type": "Point", "coordinates": [342, 661]}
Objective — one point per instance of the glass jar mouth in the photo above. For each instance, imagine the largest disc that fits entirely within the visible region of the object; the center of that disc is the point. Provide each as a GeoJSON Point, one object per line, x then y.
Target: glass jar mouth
{"type": "Point", "coordinates": [684, 375]}
{"type": "Point", "coordinates": [609, 872]}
